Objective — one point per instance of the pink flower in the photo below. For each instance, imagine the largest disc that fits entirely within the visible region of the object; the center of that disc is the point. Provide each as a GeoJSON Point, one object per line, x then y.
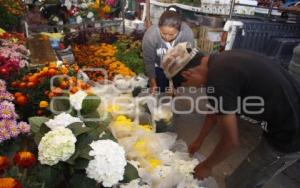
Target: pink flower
{"type": "Point", "coordinates": [2, 84]}
{"type": "Point", "coordinates": [4, 95]}
{"type": "Point", "coordinates": [24, 127]}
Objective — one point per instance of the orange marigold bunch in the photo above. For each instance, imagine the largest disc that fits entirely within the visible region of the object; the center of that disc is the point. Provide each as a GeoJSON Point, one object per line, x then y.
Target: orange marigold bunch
{"type": "Point", "coordinates": [24, 159]}
{"type": "Point", "coordinates": [9, 183]}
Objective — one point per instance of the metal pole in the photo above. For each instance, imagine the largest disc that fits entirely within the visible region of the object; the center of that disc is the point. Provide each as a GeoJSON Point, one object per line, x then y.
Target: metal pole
{"type": "Point", "coordinates": [231, 8]}
{"type": "Point", "coordinates": [123, 15]}
{"type": "Point", "coordinates": [270, 8]}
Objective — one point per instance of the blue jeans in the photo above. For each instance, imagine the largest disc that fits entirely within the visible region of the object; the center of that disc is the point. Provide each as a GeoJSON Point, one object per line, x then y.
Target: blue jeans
{"type": "Point", "coordinates": [260, 166]}
{"type": "Point", "coordinates": [161, 79]}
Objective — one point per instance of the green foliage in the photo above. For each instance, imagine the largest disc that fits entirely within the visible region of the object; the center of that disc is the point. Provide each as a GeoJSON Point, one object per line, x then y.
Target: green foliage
{"type": "Point", "coordinates": [131, 173]}
{"type": "Point", "coordinates": [8, 22]}
{"type": "Point", "coordinates": [81, 181]}
{"type": "Point", "coordinates": [36, 123]}
{"type": "Point", "coordinates": [129, 53]}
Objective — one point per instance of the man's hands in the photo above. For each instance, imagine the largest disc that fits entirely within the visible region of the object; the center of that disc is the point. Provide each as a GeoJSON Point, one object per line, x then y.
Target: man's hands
{"type": "Point", "coordinates": [194, 147]}
{"type": "Point", "coordinates": [202, 171]}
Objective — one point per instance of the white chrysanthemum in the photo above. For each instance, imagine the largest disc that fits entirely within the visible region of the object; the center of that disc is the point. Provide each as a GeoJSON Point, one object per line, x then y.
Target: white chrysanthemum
{"type": "Point", "coordinates": [61, 120]}
{"type": "Point", "coordinates": [162, 171]}
{"type": "Point", "coordinates": [185, 167]}
{"type": "Point", "coordinates": [108, 165]}
{"type": "Point", "coordinates": [57, 145]}
{"type": "Point", "coordinates": [77, 98]}
{"type": "Point", "coordinates": [190, 182]}
{"type": "Point", "coordinates": [134, 184]}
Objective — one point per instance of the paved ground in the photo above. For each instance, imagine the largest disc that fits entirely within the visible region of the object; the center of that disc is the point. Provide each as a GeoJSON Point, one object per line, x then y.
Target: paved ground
{"type": "Point", "coordinates": [187, 127]}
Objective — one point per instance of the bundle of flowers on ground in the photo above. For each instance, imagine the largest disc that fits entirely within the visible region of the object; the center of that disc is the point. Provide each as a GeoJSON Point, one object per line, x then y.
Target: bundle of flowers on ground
{"type": "Point", "coordinates": [13, 57]}
{"type": "Point", "coordinates": [157, 156]}
{"type": "Point", "coordinates": [78, 142]}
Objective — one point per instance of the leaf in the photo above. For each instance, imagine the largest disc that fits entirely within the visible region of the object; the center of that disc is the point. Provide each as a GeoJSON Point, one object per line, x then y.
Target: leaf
{"type": "Point", "coordinates": [39, 135]}
{"type": "Point", "coordinates": [77, 128]}
{"type": "Point", "coordinates": [73, 158]}
{"type": "Point", "coordinates": [50, 175]}
{"type": "Point", "coordinates": [81, 181]}
{"type": "Point", "coordinates": [90, 104]}
{"type": "Point", "coordinates": [10, 147]}
{"type": "Point", "coordinates": [81, 164]}
{"type": "Point", "coordinates": [84, 153]}
{"type": "Point", "coordinates": [36, 122]}
{"type": "Point", "coordinates": [12, 172]}
{"type": "Point", "coordinates": [85, 139]}
{"type": "Point", "coordinates": [108, 136]}
{"type": "Point", "coordinates": [130, 174]}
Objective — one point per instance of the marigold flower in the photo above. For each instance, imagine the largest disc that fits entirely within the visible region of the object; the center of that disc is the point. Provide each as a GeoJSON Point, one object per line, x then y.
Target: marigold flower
{"type": "Point", "coordinates": [9, 183]}
{"type": "Point", "coordinates": [24, 159]}
{"type": "Point", "coordinates": [4, 163]}
{"type": "Point", "coordinates": [43, 104]}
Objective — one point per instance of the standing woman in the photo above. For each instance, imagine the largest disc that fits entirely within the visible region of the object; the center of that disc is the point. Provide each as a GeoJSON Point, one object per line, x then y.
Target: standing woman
{"type": "Point", "coordinates": [157, 40]}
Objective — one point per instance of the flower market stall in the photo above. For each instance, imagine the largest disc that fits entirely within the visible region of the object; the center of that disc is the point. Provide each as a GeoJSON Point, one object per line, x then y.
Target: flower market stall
{"type": "Point", "coordinates": [86, 124]}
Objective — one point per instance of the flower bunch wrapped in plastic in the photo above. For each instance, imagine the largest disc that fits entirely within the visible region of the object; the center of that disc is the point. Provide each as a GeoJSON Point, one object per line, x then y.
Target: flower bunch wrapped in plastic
{"type": "Point", "coordinates": [108, 165]}
{"type": "Point", "coordinates": [57, 145]}
{"type": "Point", "coordinates": [9, 128]}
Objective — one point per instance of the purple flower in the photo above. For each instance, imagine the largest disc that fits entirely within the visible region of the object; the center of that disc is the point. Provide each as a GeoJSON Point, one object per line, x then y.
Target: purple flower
{"type": "Point", "coordinates": [4, 135]}
{"type": "Point", "coordinates": [2, 85]}
{"type": "Point", "coordinates": [11, 127]}
{"type": "Point", "coordinates": [7, 110]}
{"type": "Point", "coordinates": [24, 127]}
{"type": "Point", "coordinates": [14, 131]}
{"type": "Point", "coordinates": [2, 124]}
{"type": "Point", "coordinates": [4, 95]}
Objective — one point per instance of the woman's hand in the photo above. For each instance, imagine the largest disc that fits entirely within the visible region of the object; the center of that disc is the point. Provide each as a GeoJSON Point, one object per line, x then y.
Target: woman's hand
{"type": "Point", "coordinates": [152, 85]}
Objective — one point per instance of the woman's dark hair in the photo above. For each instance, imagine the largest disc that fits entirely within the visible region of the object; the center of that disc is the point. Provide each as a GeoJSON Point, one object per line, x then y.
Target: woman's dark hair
{"type": "Point", "coordinates": [178, 79]}
{"type": "Point", "coordinates": [170, 18]}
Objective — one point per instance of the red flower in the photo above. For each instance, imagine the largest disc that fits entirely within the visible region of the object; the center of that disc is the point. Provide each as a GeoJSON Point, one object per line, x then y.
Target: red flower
{"type": "Point", "coordinates": [4, 163]}
{"type": "Point", "coordinates": [24, 159]}
{"type": "Point", "coordinates": [9, 183]}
